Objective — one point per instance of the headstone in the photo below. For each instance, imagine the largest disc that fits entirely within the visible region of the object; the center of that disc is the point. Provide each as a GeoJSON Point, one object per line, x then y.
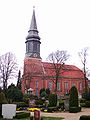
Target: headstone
{"type": "Point", "coordinates": [37, 114]}
{"type": "Point", "coordinates": [66, 104]}
{"type": "Point", "coordinates": [8, 111]}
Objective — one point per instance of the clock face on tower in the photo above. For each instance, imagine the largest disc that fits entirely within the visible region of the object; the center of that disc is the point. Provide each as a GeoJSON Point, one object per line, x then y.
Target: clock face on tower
{"type": "Point", "coordinates": [35, 55]}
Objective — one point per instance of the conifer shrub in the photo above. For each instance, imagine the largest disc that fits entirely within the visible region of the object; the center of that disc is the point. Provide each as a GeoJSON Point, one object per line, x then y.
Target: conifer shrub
{"type": "Point", "coordinates": [42, 90]}
{"type": "Point", "coordinates": [74, 109]}
{"type": "Point", "coordinates": [39, 102]}
{"type": "Point", "coordinates": [43, 94]}
{"type": "Point", "coordinates": [73, 101]}
{"type": "Point", "coordinates": [52, 100]}
{"type": "Point", "coordinates": [87, 104]}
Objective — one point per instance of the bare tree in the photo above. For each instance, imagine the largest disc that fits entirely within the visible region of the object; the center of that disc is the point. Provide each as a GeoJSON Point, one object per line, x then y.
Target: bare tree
{"type": "Point", "coordinates": [58, 59]}
{"type": "Point", "coordinates": [83, 56]}
{"type": "Point", "coordinates": [8, 68]}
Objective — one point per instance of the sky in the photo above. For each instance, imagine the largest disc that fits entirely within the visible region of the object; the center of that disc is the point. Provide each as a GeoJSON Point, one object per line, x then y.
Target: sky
{"type": "Point", "coordinates": [62, 25]}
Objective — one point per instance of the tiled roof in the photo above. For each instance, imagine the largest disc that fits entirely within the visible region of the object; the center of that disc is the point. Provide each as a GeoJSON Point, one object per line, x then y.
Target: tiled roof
{"type": "Point", "coordinates": [69, 71]}
{"type": "Point", "coordinates": [37, 67]}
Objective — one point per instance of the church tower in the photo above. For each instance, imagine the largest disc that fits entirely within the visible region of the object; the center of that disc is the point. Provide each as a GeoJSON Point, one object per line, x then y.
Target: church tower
{"type": "Point", "coordinates": [33, 67]}
{"type": "Point", "coordinates": [33, 40]}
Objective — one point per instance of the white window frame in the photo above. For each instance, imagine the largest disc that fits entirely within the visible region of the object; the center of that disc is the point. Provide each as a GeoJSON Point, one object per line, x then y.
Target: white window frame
{"type": "Point", "coordinates": [58, 86]}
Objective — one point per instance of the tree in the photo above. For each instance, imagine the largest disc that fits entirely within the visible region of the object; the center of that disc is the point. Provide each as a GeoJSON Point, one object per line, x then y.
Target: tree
{"type": "Point", "coordinates": [83, 56]}
{"type": "Point", "coordinates": [42, 90]}
{"type": "Point", "coordinates": [14, 94]}
{"type": "Point", "coordinates": [58, 59]}
{"type": "Point", "coordinates": [48, 91]}
{"type": "Point", "coordinates": [73, 101]}
{"type": "Point", "coordinates": [19, 80]}
{"type": "Point", "coordinates": [52, 100]}
{"type": "Point", "coordinates": [8, 68]}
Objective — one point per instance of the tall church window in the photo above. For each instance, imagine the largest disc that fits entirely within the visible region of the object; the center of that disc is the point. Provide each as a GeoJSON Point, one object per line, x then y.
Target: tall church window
{"type": "Point", "coordinates": [58, 86]}
{"type": "Point", "coordinates": [50, 85]}
{"type": "Point", "coordinates": [37, 88]}
{"type": "Point", "coordinates": [80, 86]}
{"type": "Point", "coordinates": [73, 84]}
{"type": "Point", "coordinates": [66, 87]}
{"type": "Point", "coordinates": [37, 84]}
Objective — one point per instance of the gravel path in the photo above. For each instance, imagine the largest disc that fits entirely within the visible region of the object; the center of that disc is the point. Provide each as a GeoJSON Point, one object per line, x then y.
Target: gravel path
{"type": "Point", "coordinates": [67, 115]}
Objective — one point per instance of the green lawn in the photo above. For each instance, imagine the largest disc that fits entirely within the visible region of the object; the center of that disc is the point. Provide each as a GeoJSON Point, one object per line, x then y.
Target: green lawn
{"type": "Point", "coordinates": [44, 118]}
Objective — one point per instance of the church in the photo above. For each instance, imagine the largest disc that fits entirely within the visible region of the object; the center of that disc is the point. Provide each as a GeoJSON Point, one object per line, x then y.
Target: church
{"type": "Point", "coordinates": [38, 74]}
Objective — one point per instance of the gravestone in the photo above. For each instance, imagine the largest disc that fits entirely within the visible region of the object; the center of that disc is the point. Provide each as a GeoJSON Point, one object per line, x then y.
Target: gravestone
{"type": "Point", "coordinates": [66, 104]}
{"type": "Point", "coordinates": [8, 111]}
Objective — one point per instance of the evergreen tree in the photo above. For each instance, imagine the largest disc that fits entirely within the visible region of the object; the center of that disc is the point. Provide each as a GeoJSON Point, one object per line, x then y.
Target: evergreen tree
{"type": "Point", "coordinates": [19, 80]}
{"type": "Point", "coordinates": [52, 100]}
{"type": "Point", "coordinates": [48, 91]}
{"type": "Point", "coordinates": [14, 94]}
{"type": "Point", "coordinates": [73, 101]}
{"type": "Point", "coordinates": [42, 90]}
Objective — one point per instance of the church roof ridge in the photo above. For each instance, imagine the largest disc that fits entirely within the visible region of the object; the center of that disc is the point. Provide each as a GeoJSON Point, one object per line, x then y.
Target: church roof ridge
{"type": "Point", "coordinates": [67, 66]}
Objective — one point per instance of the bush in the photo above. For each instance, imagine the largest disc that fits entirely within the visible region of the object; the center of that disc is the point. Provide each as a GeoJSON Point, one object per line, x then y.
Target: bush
{"type": "Point", "coordinates": [85, 117]}
{"type": "Point", "coordinates": [42, 90]}
{"type": "Point", "coordinates": [87, 104]}
{"type": "Point", "coordinates": [73, 101]}
{"type": "Point", "coordinates": [2, 98]}
{"type": "Point", "coordinates": [52, 109]}
{"type": "Point", "coordinates": [39, 102]}
{"type": "Point", "coordinates": [52, 100]}
{"type": "Point", "coordinates": [61, 102]}
{"type": "Point", "coordinates": [22, 115]}
{"type": "Point", "coordinates": [43, 94]}
{"type": "Point", "coordinates": [74, 109]}
{"type": "Point", "coordinates": [82, 100]}
{"type": "Point", "coordinates": [0, 110]}
{"type": "Point", "coordinates": [14, 94]}
{"type": "Point", "coordinates": [48, 91]}
{"type": "Point", "coordinates": [2, 101]}
{"type": "Point", "coordinates": [31, 117]}
{"type": "Point", "coordinates": [82, 104]}
{"type": "Point", "coordinates": [21, 104]}
{"type": "Point", "coordinates": [86, 96]}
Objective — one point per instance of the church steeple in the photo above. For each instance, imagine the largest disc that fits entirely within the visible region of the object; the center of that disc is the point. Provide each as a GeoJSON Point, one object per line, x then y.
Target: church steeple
{"type": "Point", "coordinates": [33, 39]}
{"type": "Point", "coordinates": [33, 25]}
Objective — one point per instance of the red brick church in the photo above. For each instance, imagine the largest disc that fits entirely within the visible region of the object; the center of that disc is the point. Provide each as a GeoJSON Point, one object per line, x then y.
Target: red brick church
{"type": "Point", "coordinates": [38, 74]}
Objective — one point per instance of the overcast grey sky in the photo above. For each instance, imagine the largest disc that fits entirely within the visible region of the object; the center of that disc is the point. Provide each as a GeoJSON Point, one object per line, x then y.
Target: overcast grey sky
{"type": "Point", "coordinates": [62, 25]}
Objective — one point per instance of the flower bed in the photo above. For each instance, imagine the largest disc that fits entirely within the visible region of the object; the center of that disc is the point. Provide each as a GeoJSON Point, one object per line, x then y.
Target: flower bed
{"type": "Point", "coordinates": [33, 109]}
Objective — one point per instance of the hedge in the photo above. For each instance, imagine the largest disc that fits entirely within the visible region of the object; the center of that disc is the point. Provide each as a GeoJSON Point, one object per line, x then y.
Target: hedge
{"type": "Point", "coordinates": [74, 109]}
{"type": "Point", "coordinates": [87, 104]}
{"type": "Point", "coordinates": [20, 115]}
{"type": "Point", "coordinates": [85, 117]}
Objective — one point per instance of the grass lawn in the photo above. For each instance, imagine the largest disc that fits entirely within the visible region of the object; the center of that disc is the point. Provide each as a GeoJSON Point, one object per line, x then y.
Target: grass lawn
{"type": "Point", "coordinates": [44, 118]}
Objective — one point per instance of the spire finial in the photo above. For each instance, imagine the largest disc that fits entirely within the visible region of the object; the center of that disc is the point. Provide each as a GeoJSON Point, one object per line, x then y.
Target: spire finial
{"type": "Point", "coordinates": [33, 7]}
